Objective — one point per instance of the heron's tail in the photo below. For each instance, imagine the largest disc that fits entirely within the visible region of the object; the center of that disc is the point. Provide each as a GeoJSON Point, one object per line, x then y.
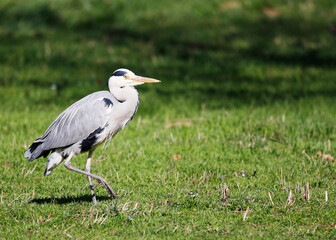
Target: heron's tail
{"type": "Point", "coordinates": [35, 151]}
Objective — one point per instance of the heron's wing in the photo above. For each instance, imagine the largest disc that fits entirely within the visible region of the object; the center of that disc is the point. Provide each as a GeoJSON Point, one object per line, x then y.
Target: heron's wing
{"type": "Point", "coordinates": [77, 122]}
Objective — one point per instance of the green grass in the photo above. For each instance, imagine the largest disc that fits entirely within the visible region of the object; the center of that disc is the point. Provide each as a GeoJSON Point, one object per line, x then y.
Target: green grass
{"type": "Point", "coordinates": [246, 103]}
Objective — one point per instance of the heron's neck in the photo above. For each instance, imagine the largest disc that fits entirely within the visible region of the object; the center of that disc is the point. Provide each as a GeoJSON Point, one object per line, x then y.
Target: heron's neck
{"type": "Point", "coordinates": [128, 95]}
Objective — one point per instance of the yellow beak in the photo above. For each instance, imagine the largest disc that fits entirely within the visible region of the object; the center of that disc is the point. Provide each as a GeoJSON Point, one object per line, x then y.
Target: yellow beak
{"type": "Point", "coordinates": [145, 79]}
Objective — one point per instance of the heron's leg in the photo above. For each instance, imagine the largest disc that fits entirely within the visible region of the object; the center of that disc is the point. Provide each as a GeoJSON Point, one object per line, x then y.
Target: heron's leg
{"type": "Point", "coordinates": [88, 170]}
{"type": "Point", "coordinates": [99, 178]}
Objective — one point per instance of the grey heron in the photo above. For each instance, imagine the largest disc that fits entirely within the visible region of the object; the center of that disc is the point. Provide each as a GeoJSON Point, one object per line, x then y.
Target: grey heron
{"type": "Point", "coordinates": [89, 122]}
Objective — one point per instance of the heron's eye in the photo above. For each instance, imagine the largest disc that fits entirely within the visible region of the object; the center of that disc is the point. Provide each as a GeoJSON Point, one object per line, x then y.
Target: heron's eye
{"type": "Point", "coordinates": [125, 76]}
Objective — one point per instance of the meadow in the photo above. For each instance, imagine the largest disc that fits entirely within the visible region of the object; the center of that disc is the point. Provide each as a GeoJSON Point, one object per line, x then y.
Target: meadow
{"type": "Point", "coordinates": [237, 141]}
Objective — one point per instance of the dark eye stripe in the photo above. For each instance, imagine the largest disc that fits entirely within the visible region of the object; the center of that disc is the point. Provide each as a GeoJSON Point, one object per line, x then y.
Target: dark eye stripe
{"type": "Point", "coordinates": [119, 73]}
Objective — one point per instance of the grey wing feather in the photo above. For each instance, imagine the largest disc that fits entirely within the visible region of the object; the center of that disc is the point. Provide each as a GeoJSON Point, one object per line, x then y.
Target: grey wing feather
{"type": "Point", "coordinates": [77, 122]}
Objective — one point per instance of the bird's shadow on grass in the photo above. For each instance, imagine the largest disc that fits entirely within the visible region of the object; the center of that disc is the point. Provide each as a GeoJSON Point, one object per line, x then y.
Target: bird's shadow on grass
{"type": "Point", "coordinates": [67, 200]}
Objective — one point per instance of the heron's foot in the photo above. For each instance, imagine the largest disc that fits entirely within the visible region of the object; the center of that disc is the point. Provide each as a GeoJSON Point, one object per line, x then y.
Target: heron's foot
{"type": "Point", "coordinates": [108, 187]}
{"type": "Point", "coordinates": [90, 175]}
{"type": "Point", "coordinates": [94, 200]}
{"type": "Point", "coordinates": [96, 185]}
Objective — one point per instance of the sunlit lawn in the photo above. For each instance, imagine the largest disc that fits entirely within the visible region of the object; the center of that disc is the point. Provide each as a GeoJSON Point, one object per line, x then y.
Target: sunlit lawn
{"type": "Point", "coordinates": [238, 140]}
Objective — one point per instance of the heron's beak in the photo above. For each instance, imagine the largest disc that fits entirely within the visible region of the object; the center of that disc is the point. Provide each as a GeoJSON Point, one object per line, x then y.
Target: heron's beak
{"type": "Point", "coordinates": [144, 79]}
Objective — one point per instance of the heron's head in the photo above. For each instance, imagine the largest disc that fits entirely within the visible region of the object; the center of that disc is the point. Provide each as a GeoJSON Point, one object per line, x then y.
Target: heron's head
{"type": "Point", "coordinates": [123, 77]}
